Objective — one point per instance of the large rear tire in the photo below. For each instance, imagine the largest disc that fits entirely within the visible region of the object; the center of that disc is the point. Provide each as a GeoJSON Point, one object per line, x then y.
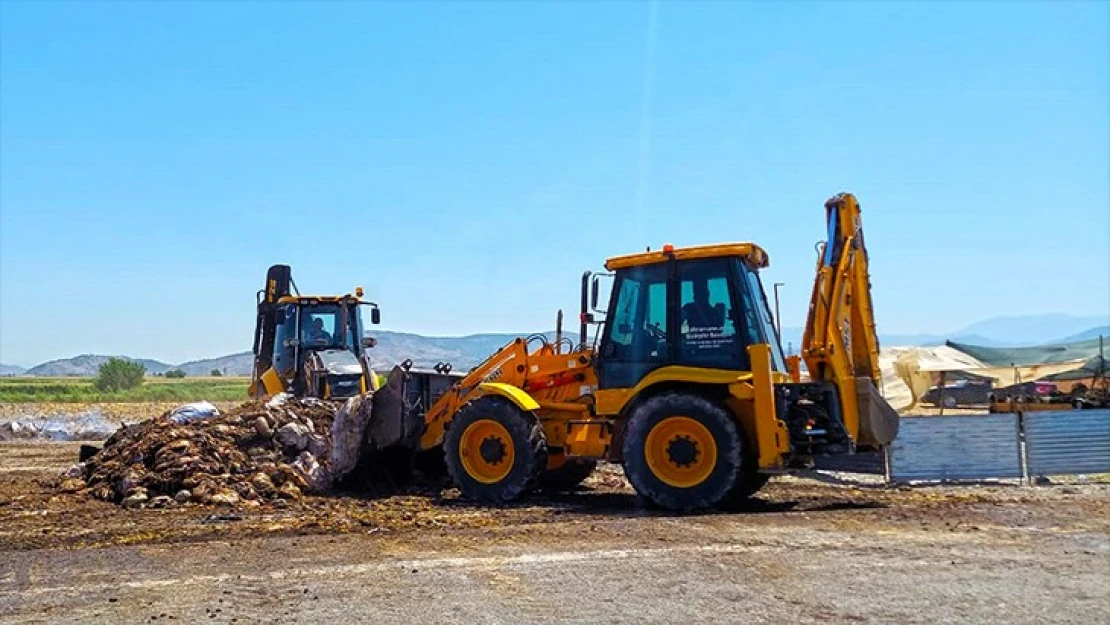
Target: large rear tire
{"type": "Point", "coordinates": [568, 475]}
{"type": "Point", "coordinates": [681, 451]}
{"type": "Point", "coordinates": [495, 451]}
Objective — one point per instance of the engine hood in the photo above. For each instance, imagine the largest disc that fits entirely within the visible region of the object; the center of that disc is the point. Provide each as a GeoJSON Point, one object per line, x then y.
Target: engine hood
{"type": "Point", "coordinates": [339, 362]}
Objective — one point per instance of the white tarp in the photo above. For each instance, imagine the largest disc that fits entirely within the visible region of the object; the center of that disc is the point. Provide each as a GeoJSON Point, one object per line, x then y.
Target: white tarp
{"type": "Point", "coordinates": [194, 411]}
{"type": "Point", "coordinates": [84, 426]}
{"type": "Point", "coordinates": [894, 389]}
{"type": "Point", "coordinates": [909, 372]}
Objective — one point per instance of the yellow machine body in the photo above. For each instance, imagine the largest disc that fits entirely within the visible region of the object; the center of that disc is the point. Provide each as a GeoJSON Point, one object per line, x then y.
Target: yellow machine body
{"type": "Point", "coordinates": [292, 355]}
{"type": "Point", "coordinates": [691, 431]}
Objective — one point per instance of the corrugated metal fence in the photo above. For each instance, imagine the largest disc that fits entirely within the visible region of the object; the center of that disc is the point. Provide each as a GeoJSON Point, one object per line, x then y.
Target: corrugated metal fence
{"type": "Point", "coordinates": [975, 447]}
{"type": "Point", "coordinates": [1067, 442]}
{"type": "Point", "coordinates": [956, 448]}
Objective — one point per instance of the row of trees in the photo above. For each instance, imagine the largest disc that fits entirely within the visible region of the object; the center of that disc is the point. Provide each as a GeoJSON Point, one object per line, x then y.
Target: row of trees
{"type": "Point", "coordinates": [178, 373]}
{"type": "Point", "coordinates": [119, 374]}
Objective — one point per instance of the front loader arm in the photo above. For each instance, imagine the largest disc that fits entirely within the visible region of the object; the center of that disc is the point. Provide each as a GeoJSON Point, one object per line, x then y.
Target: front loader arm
{"type": "Point", "coordinates": [542, 380]}
{"type": "Point", "coordinates": [508, 365]}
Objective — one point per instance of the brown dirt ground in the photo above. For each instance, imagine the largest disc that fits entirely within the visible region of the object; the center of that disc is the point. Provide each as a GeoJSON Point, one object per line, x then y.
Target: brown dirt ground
{"type": "Point", "coordinates": [34, 515]}
{"type": "Point", "coordinates": [1060, 530]}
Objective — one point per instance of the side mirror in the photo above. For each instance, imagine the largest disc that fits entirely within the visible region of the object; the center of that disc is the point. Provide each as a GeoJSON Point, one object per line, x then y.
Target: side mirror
{"type": "Point", "coordinates": [375, 316]}
{"type": "Point", "coordinates": [369, 341]}
{"type": "Point", "coordinates": [594, 288]}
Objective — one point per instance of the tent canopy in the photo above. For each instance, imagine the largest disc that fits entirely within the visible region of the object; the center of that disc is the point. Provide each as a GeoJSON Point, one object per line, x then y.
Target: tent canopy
{"type": "Point", "coordinates": [1091, 368]}
{"type": "Point", "coordinates": [1057, 353]}
{"type": "Point", "coordinates": [911, 371]}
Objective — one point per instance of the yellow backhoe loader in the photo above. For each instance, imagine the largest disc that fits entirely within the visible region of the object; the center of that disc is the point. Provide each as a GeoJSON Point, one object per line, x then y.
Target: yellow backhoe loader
{"type": "Point", "coordinates": [685, 382]}
{"type": "Point", "coordinates": [310, 345]}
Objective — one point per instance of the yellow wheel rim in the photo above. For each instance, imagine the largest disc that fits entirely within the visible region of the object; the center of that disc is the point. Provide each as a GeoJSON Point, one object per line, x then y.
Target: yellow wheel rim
{"type": "Point", "coordinates": [486, 451]}
{"type": "Point", "coordinates": [681, 451]}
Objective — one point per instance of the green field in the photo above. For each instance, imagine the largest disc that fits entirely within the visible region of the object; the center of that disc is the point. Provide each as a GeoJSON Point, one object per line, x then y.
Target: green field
{"type": "Point", "coordinates": [81, 390]}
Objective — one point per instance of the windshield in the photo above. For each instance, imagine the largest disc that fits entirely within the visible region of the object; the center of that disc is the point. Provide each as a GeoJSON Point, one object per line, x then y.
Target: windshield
{"type": "Point", "coordinates": [762, 316]}
{"type": "Point", "coordinates": [322, 326]}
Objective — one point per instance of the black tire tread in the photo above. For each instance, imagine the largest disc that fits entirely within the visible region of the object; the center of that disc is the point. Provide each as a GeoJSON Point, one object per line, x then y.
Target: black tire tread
{"type": "Point", "coordinates": [528, 439]}
{"type": "Point", "coordinates": [640, 422]}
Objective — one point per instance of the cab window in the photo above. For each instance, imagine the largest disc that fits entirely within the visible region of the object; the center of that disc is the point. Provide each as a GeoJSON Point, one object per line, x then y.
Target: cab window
{"type": "Point", "coordinates": [638, 321]}
{"type": "Point", "coordinates": [761, 316]}
{"type": "Point", "coordinates": [318, 327]}
{"type": "Point", "coordinates": [707, 323]}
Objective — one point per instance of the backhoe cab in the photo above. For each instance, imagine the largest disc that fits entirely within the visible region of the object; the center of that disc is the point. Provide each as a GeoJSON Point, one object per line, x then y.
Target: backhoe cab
{"type": "Point", "coordinates": [310, 345]}
{"type": "Point", "coordinates": [686, 384]}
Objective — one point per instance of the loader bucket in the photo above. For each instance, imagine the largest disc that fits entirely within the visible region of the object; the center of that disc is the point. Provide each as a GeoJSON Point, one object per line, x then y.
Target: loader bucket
{"type": "Point", "coordinates": [390, 424]}
{"type": "Point", "coordinates": [387, 450]}
{"type": "Point", "coordinates": [878, 421]}
{"type": "Point", "coordinates": [391, 455]}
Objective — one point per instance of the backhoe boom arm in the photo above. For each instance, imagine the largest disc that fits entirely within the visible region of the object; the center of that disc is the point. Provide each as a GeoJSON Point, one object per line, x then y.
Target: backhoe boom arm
{"type": "Point", "coordinates": [840, 344]}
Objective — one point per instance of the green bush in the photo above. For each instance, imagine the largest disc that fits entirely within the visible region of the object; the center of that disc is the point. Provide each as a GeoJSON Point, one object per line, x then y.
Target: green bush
{"type": "Point", "coordinates": [119, 375]}
{"type": "Point", "coordinates": [175, 373]}
{"type": "Point", "coordinates": [215, 373]}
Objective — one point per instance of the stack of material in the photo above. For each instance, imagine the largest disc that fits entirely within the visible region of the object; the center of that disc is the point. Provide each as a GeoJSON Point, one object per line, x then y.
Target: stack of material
{"type": "Point", "coordinates": [258, 451]}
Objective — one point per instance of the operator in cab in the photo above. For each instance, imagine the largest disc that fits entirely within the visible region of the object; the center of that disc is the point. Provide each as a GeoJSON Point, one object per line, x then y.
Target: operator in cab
{"type": "Point", "coordinates": [700, 313]}
{"type": "Point", "coordinates": [315, 332]}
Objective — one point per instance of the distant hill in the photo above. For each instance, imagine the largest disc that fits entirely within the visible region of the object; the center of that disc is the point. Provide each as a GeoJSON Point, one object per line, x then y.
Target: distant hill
{"type": "Point", "coordinates": [996, 332]}
{"type": "Point", "coordinates": [792, 337]}
{"type": "Point", "coordinates": [464, 352]}
{"type": "Point", "coordinates": [232, 364]}
{"type": "Point", "coordinates": [88, 364]}
{"type": "Point", "coordinates": [1086, 335]}
{"type": "Point", "coordinates": [1015, 331]}
{"type": "Point", "coordinates": [11, 370]}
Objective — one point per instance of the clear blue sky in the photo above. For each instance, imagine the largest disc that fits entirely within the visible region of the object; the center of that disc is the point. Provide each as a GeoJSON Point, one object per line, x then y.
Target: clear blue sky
{"type": "Point", "coordinates": [465, 162]}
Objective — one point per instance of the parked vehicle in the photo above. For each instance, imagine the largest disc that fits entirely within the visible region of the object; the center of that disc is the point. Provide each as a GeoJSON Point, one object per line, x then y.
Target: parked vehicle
{"type": "Point", "coordinates": [960, 393]}
{"type": "Point", "coordinates": [1029, 397]}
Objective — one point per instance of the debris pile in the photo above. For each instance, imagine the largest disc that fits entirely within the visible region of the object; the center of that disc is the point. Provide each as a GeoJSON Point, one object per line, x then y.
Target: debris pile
{"type": "Point", "coordinates": [259, 451]}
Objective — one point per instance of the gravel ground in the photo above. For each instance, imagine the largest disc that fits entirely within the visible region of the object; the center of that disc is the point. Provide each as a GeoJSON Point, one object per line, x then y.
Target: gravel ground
{"type": "Point", "coordinates": [804, 551]}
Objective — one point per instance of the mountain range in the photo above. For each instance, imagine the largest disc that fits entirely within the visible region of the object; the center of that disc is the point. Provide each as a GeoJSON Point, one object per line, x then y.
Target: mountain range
{"type": "Point", "coordinates": [11, 370]}
{"type": "Point", "coordinates": [392, 348]}
{"type": "Point", "coordinates": [1012, 331]}
{"type": "Point", "coordinates": [466, 351]}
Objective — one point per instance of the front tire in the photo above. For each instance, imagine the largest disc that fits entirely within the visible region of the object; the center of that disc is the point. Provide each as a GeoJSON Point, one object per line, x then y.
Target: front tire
{"type": "Point", "coordinates": [681, 451]}
{"type": "Point", "coordinates": [495, 451]}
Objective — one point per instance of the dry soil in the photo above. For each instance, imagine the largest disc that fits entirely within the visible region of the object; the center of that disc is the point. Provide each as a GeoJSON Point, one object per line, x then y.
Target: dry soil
{"type": "Point", "coordinates": [803, 551]}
